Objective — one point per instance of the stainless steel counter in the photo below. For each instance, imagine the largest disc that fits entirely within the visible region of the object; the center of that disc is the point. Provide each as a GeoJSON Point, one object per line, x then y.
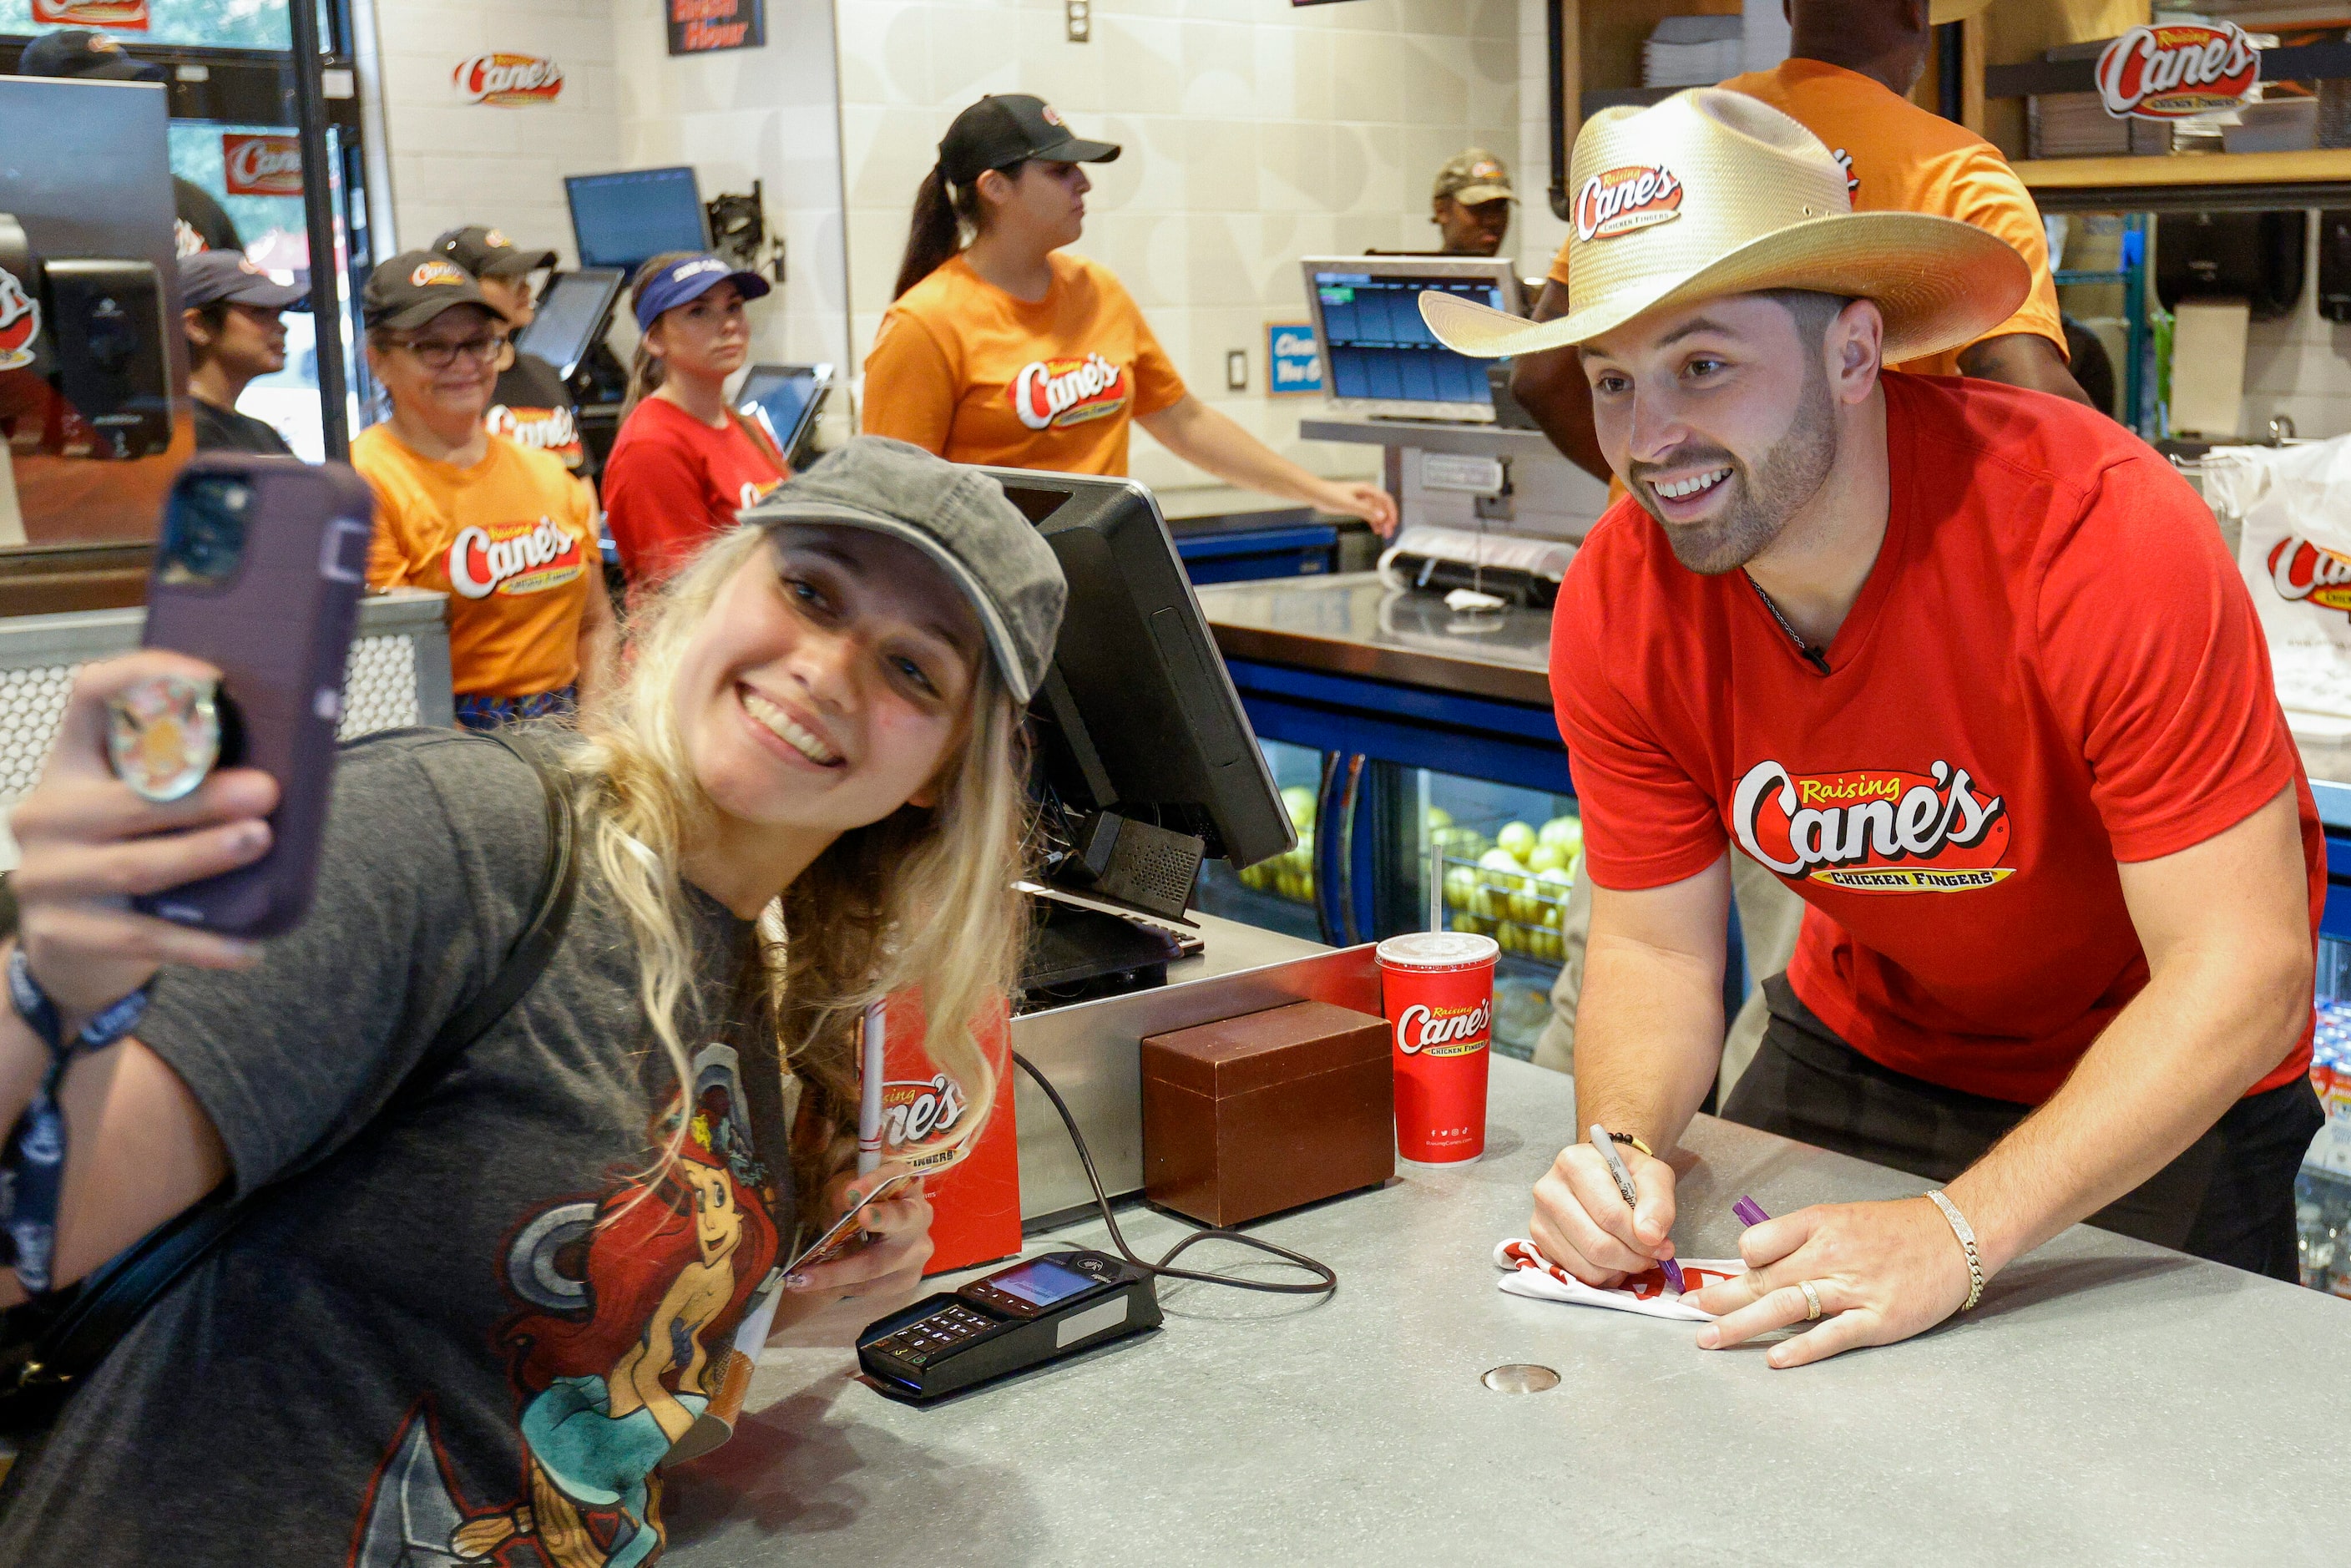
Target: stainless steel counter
{"type": "Point", "coordinates": [1354, 624]}
{"type": "Point", "coordinates": [2109, 1402]}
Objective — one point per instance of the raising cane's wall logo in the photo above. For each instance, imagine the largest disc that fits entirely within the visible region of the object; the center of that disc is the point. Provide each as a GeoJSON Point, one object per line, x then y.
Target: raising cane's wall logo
{"type": "Point", "coordinates": [1623, 200]}
{"type": "Point", "coordinates": [513, 557]}
{"type": "Point", "coordinates": [20, 323]}
{"type": "Point", "coordinates": [1051, 393]}
{"type": "Point", "coordinates": [2177, 69]}
{"type": "Point", "coordinates": [262, 165]}
{"type": "Point", "coordinates": [1878, 830]}
{"type": "Point", "coordinates": [1424, 1031]}
{"type": "Point", "coordinates": [2300, 570]}
{"type": "Point", "coordinates": [508, 80]}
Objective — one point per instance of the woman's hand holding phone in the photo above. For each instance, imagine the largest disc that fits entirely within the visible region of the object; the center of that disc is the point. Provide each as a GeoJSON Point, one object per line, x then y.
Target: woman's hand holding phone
{"type": "Point", "coordinates": [832, 1301]}
{"type": "Point", "coordinates": [86, 845]}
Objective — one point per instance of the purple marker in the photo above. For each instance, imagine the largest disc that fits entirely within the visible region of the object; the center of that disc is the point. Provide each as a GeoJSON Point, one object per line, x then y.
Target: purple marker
{"type": "Point", "coordinates": [1624, 1180]}
{"type": "Point", "coordinates": [1748, 1211]}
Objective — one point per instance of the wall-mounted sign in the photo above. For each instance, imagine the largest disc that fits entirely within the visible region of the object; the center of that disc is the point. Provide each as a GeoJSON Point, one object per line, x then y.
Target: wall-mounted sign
{"type": "Point", "coordinates": [705, 26]}
{"type": "Point", "coordinates": [2177, 69]}
{"type": "Point", "coordinates": [1291, 365]}
{"type": "Point", "coordinates": [121, 15]}
{"type": "Point", "coordinates": [510, 80]}
{"type": "Point", "coordinates": [262, 165]}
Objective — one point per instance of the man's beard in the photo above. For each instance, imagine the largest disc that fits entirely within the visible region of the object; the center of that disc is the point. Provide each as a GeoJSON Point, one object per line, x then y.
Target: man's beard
{"type": "Point", "coordinates": [1762, 499]}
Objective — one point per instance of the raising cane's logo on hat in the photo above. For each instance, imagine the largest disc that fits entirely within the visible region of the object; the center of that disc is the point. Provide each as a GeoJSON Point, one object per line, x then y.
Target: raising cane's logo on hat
{"type": "Point", "coordinates": [512, 559]}
{"type": "Point", "coordinates": [2177, 69]}
{"type": "Point", "coordinates": [20, 323]}
{"type": "Point", "coordinates": [437, 271]}
{"type": "Point", "coordinates": [509, 81]}
{"type": "Point", "coordinates": [1878, 830]}
{"type": "Point", "coordinates": [1622, 200]}
{"type": "Point", "coordinates": [1048, 395]}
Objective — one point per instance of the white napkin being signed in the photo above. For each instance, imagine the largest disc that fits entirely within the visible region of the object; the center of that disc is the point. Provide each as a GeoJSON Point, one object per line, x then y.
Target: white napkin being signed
{"type": "Point", "coordinates": [1527, 1272]}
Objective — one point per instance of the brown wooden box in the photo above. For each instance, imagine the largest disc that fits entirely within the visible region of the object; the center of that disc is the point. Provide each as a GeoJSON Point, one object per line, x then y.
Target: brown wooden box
{"type": "Point", "coordinates": [1262, 1113]}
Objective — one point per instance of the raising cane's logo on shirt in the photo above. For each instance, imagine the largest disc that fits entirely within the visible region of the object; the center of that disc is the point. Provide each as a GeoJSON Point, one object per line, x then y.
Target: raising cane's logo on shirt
{"type": "Point", "coordinates": [544, 429]}
{"type": "Point", "coordinates": [1052, 395]}
{"type": "Point", "coordinates": [2300, 570]}
{"type": "Point", "coordinates": [20, 323]}
{"type": "Point", "coordinates": [513, 557]}
{"type": "Point", "coordinates": [1879, 830]}
{"type": "Point", "coordinates": [1620, 201]}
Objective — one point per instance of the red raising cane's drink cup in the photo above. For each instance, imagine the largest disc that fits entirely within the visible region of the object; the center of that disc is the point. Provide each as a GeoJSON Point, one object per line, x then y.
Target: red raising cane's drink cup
{"type": "Point", "coordinates": [1437, 990]}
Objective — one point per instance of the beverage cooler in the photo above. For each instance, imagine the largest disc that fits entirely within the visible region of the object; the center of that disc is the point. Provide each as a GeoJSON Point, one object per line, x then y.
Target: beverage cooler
{"type": "Point", "coordinates": [1502, 857]}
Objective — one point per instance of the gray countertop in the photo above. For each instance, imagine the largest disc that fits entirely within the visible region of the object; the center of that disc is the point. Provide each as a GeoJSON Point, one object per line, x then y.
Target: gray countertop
{"type": "Point", "coordinates": [1477, 440]}
{"type": "Point", "coordinates": [2109, 1402]}
{"type": "Point", "coordinates": [1354, 624]}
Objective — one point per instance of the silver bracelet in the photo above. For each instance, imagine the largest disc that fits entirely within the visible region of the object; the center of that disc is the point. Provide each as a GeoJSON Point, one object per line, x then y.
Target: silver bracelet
{"type": "Point", "coordinates": [1967, 1235]}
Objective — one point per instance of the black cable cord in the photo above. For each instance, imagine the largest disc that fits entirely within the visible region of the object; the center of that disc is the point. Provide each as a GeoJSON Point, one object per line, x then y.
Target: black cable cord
{"type": "Point", "coordinates": [1327, 1280]}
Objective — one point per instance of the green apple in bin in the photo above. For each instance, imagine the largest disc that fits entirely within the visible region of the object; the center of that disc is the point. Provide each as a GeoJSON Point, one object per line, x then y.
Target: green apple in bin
{"type": "Point", "coordinates": [1566, 832]}
{"type": "Point", "coordinates": [1300, 801]}
{"type": "Point", "coordinates": [1461, 888]}
{"type": "Point", "coordinates": [1518, 838]}
{"type": "Point", "coordinates": [1554, 884]}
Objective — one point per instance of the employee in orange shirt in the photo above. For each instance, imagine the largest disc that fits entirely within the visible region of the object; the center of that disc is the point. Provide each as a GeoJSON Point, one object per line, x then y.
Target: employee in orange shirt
{"type": "Point", "coordinates": [1851, 65]}
{"type": "Point", "coordinates": [1012, 352]}
{"type": "Point", "coordinates": [685, 462]}
{"type": "Point", "coordinates": [1852, 62]}
{"type": "Point", "coordinates": [502, 529]}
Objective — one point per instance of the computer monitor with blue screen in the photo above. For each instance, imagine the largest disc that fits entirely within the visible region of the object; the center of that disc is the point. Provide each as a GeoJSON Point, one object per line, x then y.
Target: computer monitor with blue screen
{"type": "Point", "coordinates": [1379, 357]}
{"type": "Point", "coordinates": [621, 219]}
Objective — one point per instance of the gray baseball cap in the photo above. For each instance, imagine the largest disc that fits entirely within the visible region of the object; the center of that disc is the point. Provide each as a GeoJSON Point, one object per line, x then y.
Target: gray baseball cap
{"type": "Point", "coordinates": [956, 515]}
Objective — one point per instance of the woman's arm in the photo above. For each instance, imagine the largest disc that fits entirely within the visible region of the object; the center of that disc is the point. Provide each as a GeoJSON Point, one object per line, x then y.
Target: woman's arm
{"type": "Point", "coordinates": [1206, 439]}
{"type": "Point", "coordinates": [600, 637]}
{"type": "Point", "coordinates": [139, 1148]}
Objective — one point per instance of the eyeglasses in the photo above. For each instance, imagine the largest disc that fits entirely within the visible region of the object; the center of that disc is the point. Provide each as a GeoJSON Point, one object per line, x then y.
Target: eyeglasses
{"type": "Point", "coordinates": [438, 353]}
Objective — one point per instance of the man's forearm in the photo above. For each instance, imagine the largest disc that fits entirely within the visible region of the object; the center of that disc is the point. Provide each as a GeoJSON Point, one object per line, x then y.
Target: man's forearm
{"type": "Point", "coordinates": [1648, 1040]}
{"type": "Point", "coordinates": [2166, 1068]}
{"type": "Point", "coordinates": [1550, 386]}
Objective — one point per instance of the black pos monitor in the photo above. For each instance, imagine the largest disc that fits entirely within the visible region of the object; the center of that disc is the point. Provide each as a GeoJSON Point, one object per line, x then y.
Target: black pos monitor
{"type": "Point", "coordinates": [1147, 765]}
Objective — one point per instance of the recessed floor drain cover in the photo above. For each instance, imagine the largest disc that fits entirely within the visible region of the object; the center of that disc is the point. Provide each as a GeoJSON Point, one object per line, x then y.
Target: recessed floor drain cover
{"type": "Point", "coordinates": [1520, 1377]}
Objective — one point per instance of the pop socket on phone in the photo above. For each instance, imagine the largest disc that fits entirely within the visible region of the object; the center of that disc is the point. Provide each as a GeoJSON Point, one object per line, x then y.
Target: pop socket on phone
{"type": "Point", "coordinates": [163, 735]}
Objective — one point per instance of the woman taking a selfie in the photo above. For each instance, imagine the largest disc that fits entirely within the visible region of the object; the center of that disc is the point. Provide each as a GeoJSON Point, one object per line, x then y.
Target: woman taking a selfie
{"type": "Point", "coordinates": [1009, 351]}
{"type": "Point", "coordinates": [685, 462]}
{"type": "Point", "coordinates": [502, 529]}
{"type": "Point", "coordinates": [479, 1301]}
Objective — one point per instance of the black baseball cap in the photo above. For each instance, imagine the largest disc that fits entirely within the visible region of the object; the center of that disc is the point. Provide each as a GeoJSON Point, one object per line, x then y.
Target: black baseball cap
{"type": "Point", "coordinates": [408, 290]}
{"type": "Point", "coordinates": [1007, 128]}
{"type": "Point", "coordinates": [210, 277]}
{"type": "Point", "coordinates": [84, 56]}
{"type": "Point", "coordinates": [485, 253]}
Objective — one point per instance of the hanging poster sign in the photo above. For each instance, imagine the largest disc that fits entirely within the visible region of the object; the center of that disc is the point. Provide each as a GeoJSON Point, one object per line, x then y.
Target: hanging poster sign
{"type": "Point", "coordinates": [705, 27]}
{"type": "Point", "coordinates": [507, 80]}
{"type": "Point", "coordinates": [261, 165]}
{"type": "Point", "coordinates": [121, 15]}
{"type": "Point", "coordinates": [2177, 69]}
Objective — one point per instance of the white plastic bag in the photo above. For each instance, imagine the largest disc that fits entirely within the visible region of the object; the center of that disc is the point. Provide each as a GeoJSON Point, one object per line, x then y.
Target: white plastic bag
{"type": "Point", "coordinates": [2295, 555]}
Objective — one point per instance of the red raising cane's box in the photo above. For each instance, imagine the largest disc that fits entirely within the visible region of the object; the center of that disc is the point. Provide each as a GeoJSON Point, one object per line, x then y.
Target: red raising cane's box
{"type": "Point", "coordinates": [976, 1200]}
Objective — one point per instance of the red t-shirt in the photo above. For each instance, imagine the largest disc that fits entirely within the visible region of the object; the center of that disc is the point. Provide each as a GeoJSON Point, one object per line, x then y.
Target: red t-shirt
{"type": "Point", "coordinates": [673, 482]}
{"type": "Point", "coordinates": [2053, 666]}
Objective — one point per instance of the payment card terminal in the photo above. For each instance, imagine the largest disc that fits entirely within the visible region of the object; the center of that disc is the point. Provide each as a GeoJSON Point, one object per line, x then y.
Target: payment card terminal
{"type": "Point", "coordinates": [1035, 1312]}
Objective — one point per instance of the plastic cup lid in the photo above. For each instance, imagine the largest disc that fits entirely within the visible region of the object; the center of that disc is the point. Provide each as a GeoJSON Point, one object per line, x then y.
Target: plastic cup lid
{"type": "Point", "coordinates": [1437, 950]}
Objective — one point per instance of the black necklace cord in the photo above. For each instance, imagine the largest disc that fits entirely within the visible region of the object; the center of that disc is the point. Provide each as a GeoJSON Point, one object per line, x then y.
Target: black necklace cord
{"type": "Point", "coordinates": [1326, 1280]}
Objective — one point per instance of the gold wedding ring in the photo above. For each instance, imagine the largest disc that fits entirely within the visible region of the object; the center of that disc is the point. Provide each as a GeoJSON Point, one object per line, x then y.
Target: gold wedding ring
{"type": "Point", "coordinates": [1812, 1300]}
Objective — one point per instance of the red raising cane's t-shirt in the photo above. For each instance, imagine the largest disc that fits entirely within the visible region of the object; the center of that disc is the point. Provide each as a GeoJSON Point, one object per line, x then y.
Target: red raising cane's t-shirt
{"type": "Point", "coordinates": [673, 482]}
{"type": "Point", "coordinates": [2053, 667]}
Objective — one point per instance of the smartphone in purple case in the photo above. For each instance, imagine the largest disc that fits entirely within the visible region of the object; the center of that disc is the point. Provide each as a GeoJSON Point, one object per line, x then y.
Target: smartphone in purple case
{"type": "Point", "coordinates": [258, 572]}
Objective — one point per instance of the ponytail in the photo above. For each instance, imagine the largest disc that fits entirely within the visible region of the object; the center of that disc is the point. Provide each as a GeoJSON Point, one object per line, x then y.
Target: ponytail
{"type": "Point", "coordinates": [942, 211]}
{"type": "Point", "coordinates": [645, 371]}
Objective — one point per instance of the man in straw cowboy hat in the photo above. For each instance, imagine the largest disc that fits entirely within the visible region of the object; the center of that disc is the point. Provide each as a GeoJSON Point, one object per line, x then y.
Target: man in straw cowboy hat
{"type": "Point", "coordinates": [1966, 668]}
{"type": "Point", "coordinates": [1850, 65]}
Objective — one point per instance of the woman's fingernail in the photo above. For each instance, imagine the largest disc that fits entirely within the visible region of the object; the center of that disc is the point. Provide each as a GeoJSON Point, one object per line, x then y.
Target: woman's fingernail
{"type": "Point", "coordinates": [796, 1281]}
{"type": "Point", "coordinates": [1708, 1337]}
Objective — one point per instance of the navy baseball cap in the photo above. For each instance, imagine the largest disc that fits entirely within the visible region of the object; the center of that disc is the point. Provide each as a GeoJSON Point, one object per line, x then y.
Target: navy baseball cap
{"type": "Point", "coordinates": [682, 282]}
{"type": "Point", "coordinates": [83, 55]}
{"type": "Point", "coordinates": [210, 277]}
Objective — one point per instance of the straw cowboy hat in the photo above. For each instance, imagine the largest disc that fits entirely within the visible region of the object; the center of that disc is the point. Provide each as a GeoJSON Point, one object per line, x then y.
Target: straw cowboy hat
{"type": "Point", "coordinates": [1944, 11]}
{"type": "Point", "coordinates": [1714, 193]}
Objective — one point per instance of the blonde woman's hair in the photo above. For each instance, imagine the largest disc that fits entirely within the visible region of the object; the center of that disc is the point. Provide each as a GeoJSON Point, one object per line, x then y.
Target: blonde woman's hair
{"type": "Point", "coordinates": [920, 900]}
